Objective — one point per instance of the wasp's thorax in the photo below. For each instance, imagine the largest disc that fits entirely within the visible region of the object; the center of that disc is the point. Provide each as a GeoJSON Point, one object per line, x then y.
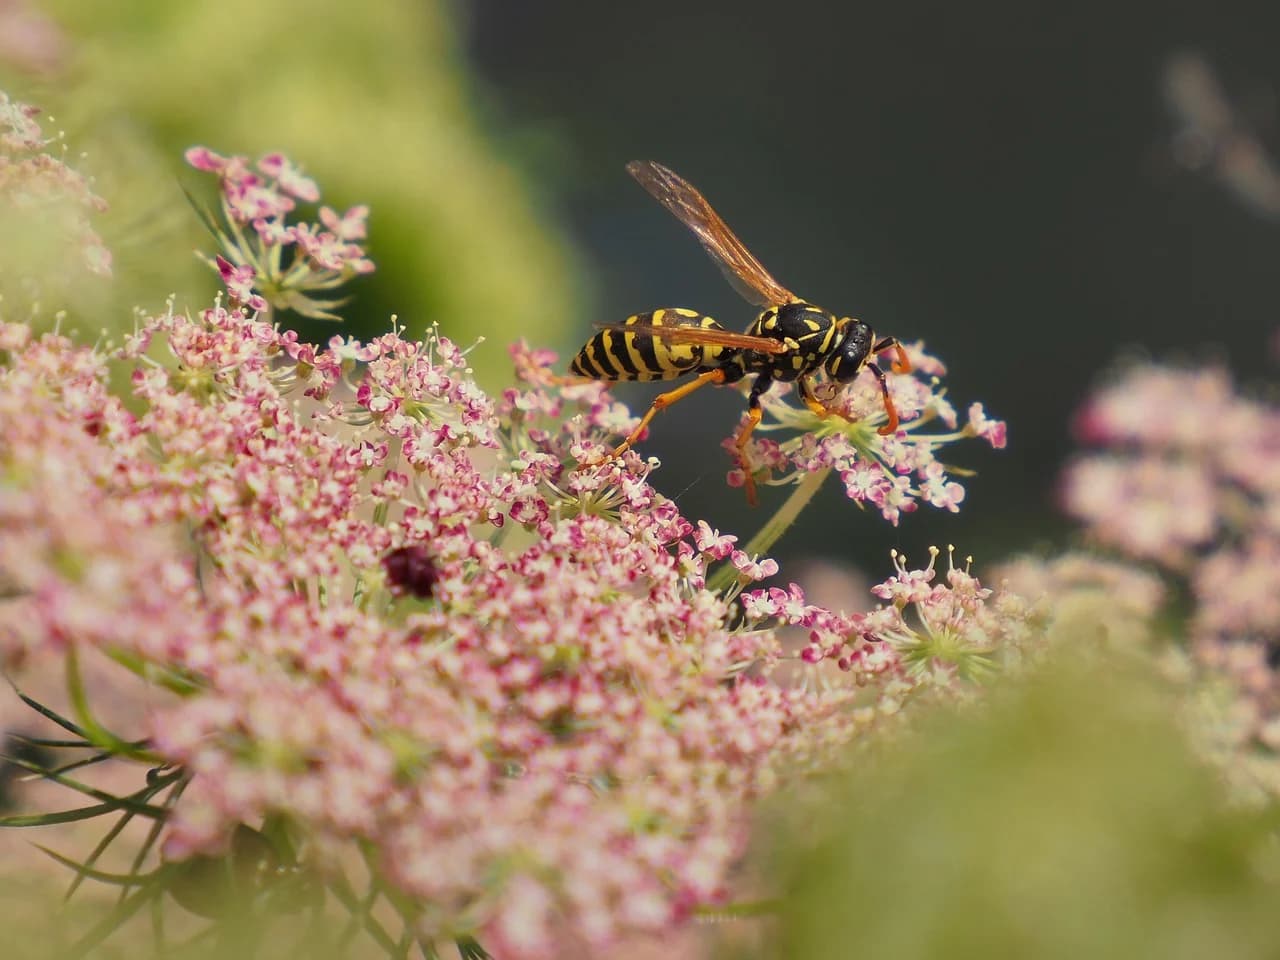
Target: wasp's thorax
{"type": "Point", "coordinates": [808, 331]}
{"type": "Point", "coordinates": [851, 352]}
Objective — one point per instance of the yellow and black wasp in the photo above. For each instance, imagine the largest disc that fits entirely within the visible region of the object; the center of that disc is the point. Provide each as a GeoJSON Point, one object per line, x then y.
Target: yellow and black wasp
{"type": "Point", "coordinates": [789, 340]}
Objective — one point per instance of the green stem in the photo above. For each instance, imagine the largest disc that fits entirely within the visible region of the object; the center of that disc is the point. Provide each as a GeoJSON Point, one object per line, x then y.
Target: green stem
{"type": "Point", "coordinates": [773, 530]}
{"type": "Point", "coordinates": [95, 732]}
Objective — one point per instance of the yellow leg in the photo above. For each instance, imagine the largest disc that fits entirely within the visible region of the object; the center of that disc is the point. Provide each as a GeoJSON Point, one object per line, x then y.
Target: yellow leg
{"type": "Point", "coordinates": [754, 414]}
{"type": "Point", "coordinates": [664, 400]}
{"type": "Point", "coordinates": [816, 406]}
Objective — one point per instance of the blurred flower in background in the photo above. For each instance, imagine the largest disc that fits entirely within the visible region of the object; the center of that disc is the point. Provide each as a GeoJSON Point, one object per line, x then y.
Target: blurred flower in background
{"type": "Point", "coordinates": [30, 40]}
{"type": "Point", "coordinates": [1212, 135]}
{"type": "Point", "coordinates": [1188, 480]}
{"type": "Point", "coordinates": [1065, 818]}
{"type": "Point", "coordinates": [47, 210]}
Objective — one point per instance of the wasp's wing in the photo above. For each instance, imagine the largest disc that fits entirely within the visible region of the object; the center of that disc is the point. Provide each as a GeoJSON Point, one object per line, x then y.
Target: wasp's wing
{"type": "Point", "coordinates": [692, 334]}
{"type": "Point", "coordinates": [743, 270]}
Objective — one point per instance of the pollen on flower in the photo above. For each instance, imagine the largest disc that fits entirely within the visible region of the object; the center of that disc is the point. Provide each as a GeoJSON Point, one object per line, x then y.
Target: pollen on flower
{"type": "Point", "coordinates": [907, 586]}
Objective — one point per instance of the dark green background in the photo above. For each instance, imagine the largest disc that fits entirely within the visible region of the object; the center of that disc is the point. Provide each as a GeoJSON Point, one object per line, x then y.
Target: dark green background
{"type": "Point", "coordinates": [996, 179]}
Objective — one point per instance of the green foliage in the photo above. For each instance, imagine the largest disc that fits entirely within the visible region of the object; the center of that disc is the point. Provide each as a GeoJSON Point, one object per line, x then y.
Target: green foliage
{"type": "Point", "coordinates": [377, 107]}
{"type": "Point", "coordinates": [1063, 818]}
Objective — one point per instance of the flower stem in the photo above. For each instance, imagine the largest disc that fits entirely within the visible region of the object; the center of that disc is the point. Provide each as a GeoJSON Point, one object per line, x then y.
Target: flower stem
{"type": "Point", "coordinates": [774, 528]}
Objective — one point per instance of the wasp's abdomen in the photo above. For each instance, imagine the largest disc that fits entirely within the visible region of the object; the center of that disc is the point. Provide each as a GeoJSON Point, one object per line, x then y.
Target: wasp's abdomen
{"type": "Point", "coordinates": [618, 354]}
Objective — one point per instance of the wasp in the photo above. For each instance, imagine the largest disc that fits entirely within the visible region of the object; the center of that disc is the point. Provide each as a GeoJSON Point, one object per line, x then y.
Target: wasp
{"type": "Point", "coordinates": [789, 341]}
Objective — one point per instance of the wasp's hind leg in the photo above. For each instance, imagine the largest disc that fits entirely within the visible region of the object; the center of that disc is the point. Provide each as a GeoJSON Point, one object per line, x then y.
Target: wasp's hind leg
{"type": "Point", "coordinates": [754, 416]}
{"type": "Point", "coordinates": [664, 400]}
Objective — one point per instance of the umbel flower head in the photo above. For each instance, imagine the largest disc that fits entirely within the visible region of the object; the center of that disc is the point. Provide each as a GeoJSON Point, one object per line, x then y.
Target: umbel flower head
{"type": "Point", "coordinates": [402, 619]}
{"type": "Point", "coordinates": [893, 474]}
{"type": "Point", "coordinates": [255, 236]}
{"type": "Point", "coordinates": [556, 734]}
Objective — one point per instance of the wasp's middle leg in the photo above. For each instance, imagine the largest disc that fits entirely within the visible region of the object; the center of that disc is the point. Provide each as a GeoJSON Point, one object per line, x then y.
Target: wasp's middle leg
{"type": "Point", "coordinates": [754, 416]}
{"type": "Point", "coordinates": [664, 400]}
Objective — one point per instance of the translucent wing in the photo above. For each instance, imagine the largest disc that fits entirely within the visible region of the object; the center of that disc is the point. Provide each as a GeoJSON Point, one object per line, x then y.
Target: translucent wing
{"type": "Point", "coordinates": [743, 270]}
{"type": "Point", "coordinates": [692, 334]}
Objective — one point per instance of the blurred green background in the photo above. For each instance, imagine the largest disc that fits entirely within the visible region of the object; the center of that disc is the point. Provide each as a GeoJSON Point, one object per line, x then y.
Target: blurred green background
{"type": "Point", "coordinates": [996, 178]}
{"type": "Point", "coordinates": [1064, 819]}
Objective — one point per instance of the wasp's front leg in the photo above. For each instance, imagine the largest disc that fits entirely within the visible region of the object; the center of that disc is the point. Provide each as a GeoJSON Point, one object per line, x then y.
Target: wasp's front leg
{"type": "Point", "coordinates": [822, 411]}
{"type": "Point", "coordinates": [816, 406]}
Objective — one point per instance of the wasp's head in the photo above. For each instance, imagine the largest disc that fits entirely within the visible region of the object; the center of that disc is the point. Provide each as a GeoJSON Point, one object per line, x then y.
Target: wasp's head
{"type": "Point", "coordinates": [851, 352]}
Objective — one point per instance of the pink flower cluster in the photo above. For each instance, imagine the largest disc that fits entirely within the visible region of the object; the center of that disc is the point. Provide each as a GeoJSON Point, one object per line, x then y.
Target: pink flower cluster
{"type": "Point", "coordinates": [959, 628]}
{"type": "Point", "coordinates": [894, 473]}
{"type": "Point", "coordinates": [919, 642]}
{"type": "Point", "coordinates": [77, 563]}
{"type": "Point", "coordinates": [1190, 478]}
{"type": "Point", "coordinates": [431, 625]}
{"type": "Point", "coordinates": [412, 619]}
{"type": "Point", "coordinates": [44, 201]}
{"type": "Point", "coordinates": [254, 233]}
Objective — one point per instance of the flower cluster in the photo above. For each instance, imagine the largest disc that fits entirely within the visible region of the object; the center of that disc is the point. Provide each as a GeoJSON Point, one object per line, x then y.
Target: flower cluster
{"type": "Point", "coordinates": [254, 232]}
{"type": "Point", "coordinates": [921, 640]}
{"type": "Point", "coordinates": [414, 620]}
{"type": "Point", "coordinates": [891, 473]}
{"type": "Point", "coordinates": [45, 205]}
{"type": "Point", "coordinates": [1189, 478]}
{"type": "Point", "coordinates": [425, 626]}
{"type": "Point", "coordinates": [77, 564]}
{"type": "Point", "coordinates": [958, 628]}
